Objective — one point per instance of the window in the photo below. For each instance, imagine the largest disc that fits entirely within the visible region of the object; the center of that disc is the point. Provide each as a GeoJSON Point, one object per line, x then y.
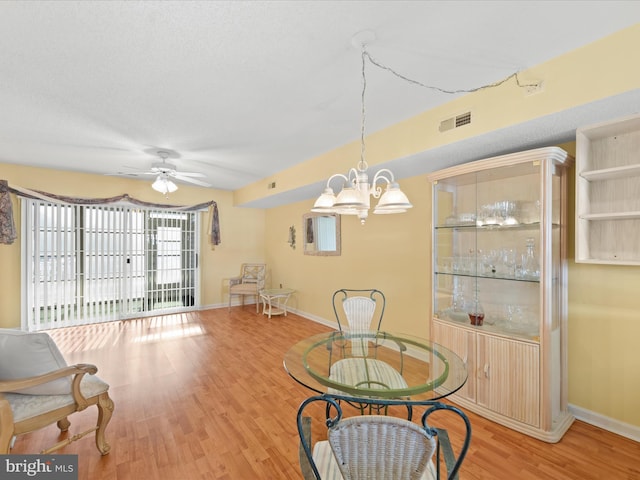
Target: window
{"type": "Point", "coordinates": [87, 264]}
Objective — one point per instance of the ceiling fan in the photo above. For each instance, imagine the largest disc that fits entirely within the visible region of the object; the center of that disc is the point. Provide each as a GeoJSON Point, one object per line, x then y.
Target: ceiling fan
{"type": "Point", "coordinates": [165, 172]}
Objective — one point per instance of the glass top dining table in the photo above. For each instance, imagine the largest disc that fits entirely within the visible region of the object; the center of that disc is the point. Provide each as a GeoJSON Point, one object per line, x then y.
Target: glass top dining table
{"type": "Point", "coordinates": [380, 365]}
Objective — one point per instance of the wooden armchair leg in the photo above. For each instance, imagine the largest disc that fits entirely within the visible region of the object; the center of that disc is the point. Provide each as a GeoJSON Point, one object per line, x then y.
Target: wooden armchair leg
{"type": "Point", "coordinates": [105, 411]}
{"type": "Point", "coordinates": [64, 424]}
{"type": "Point", "coordinates": [6, 427]}
{"type": "Point", "coordinates": [6, 442]}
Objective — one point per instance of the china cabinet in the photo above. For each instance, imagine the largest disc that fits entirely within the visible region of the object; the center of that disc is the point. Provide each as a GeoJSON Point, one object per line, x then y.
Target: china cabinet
{"type": "Point", "coordinates": [608, 192]}
{"type": "Point", "coordinates": [499, 286]}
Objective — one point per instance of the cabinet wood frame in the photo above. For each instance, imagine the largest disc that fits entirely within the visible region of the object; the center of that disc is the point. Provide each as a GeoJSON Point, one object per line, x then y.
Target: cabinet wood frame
{"type": "Point", "coordinates": [516, 381]}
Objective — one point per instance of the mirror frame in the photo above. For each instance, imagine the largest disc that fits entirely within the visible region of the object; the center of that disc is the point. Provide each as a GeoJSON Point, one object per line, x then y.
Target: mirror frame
{"type": "Point", "coordinates": [308, 219]}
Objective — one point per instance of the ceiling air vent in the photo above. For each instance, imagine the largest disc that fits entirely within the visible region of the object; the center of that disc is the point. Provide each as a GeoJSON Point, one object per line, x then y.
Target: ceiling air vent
{"type": "Point", "coordinates": [455, 122]}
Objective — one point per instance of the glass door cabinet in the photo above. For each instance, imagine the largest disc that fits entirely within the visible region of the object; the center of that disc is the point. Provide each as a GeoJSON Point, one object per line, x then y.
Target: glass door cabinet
{"type": "Point", "coordinates": [499, 285]}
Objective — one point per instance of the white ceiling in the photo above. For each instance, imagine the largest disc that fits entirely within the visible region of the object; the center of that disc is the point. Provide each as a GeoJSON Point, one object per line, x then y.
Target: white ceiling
{"type": "Point", "coordinates": [243, 89]}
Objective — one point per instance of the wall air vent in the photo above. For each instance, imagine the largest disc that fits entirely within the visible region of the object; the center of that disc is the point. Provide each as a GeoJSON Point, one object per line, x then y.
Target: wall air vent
{"type": "Point", "coordinates": [455, 122]}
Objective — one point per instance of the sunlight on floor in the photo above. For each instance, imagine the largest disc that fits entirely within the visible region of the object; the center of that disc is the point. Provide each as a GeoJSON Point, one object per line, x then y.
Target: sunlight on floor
{"type": "Point", "coordinates": [140, 330]}
{"type": "Point", "coordinates": [170, 334]}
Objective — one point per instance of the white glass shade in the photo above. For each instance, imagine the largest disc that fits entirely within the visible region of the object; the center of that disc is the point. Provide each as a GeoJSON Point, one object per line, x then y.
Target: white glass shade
{"type": "Point", "coordinates": [388, 211]}
{"type": "Point", "coordinates": [164, 185]}
{"type": "Point", "coordinates": [350, 198]}
{"type": "Point", "coordinates": [393, 200]}
{"type": "Point", "coordinates": [324, 203]}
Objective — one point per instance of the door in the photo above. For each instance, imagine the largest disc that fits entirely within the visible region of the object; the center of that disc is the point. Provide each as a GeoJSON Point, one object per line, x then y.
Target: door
{"type": "Point", "coordinates": [462, 343]}
{"type": "Point", "coordinates": [90, 263]}
{"type": "Point", "coordinates": [508, 378]}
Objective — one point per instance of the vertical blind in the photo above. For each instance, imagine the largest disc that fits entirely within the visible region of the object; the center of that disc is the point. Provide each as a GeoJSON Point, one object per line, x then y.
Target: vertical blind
{"type": "Point", "coordinates": [89, 264]}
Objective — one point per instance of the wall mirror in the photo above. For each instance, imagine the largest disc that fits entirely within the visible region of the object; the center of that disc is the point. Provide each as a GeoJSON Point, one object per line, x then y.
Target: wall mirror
{"type": "Point", "coordinates": [321, 233]}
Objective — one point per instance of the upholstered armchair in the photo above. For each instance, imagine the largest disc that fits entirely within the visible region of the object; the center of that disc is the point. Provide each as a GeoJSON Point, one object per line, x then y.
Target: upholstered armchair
{"type": "Point", "coordinates": [38, 388]}
{"type": "Point", "coordinates": [250, 282]}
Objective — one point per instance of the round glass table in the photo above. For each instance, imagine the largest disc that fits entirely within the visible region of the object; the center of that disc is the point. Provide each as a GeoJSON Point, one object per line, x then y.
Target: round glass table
{"type": "Point", "coordinates": [376, 365]}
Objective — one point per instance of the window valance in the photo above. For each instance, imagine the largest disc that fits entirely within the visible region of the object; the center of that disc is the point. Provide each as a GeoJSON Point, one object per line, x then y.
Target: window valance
{"type": "Point", "coordinates": [8, 232]}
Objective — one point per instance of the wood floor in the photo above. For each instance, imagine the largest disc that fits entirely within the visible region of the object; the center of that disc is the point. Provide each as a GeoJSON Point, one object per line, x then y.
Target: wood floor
{"type": "Point", "coordinates": [205, 396]}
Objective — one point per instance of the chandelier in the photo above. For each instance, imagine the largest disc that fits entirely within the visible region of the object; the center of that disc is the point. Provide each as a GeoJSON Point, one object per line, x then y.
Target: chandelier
{"type": "Point", "coordinates": [356, 193]}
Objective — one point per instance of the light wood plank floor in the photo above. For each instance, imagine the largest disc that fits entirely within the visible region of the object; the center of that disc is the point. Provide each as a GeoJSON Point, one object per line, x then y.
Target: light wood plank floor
{"type": "Point", "coordinates": [204, 396]}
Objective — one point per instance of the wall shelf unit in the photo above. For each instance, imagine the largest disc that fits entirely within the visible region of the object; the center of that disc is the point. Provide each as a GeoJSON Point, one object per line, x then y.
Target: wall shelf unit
{"type": "Point", "coordinates": [608, 192]}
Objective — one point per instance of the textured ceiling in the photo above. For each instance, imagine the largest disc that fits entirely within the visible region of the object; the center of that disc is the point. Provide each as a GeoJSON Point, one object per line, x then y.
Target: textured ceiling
{"type": "Point", "coordinates": [241, 90]}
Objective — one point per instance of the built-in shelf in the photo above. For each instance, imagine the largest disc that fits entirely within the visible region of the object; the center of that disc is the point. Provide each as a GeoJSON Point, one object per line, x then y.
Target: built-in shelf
{"type": "Point", "coordinates": [611, 173]}
{"type": "Point", "coordinates": [608, 193]}
{"type": "Point", "coordinates": [611, 216]}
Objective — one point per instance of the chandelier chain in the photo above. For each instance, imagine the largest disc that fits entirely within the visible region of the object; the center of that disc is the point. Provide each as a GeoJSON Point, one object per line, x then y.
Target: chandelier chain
{"type": "Point", "coordinates": [443, 90]}
{"type": "Point", "coordinates": [355, 195]}
{"type": "Point", "coordinates": [362, 166]}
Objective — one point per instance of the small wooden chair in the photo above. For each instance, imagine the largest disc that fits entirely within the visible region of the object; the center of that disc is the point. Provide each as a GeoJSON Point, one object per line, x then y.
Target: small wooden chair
{"type": "Point", "coordinates": [31, 402]}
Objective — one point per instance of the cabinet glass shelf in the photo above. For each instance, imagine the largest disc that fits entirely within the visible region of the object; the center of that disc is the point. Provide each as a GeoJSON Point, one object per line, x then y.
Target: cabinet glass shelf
{"type": "Point", "coordinates": [526, 333]}
{"type": "Point", "coordinates": [480, 228]}
{"type": "Point", "coordinates": [489, 277]}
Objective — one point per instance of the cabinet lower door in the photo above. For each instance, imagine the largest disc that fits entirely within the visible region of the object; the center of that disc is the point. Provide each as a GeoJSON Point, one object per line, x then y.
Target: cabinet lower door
{"type": "Point", "coordinates": [462, 343]}
{"type": "Point", "coordinates": [508, 378]}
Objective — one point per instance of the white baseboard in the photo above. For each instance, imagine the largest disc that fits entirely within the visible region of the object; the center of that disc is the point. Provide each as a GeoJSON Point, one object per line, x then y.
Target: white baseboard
{"type": "Point", "coordinates": [606, 423]}
{"type": "Point", "coordinates": [313, 318]}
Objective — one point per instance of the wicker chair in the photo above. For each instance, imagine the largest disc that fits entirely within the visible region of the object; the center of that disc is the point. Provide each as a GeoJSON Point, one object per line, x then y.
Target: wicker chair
{"type": "Point", "coordinates": [380, 447]}
{"type": "Point", "coordinates": [359, 311]}
{"type": "Point", "coordinates": [359, 315]}
{"type": "Point", "coordinates": [250, 282]}
{"type": "Point", "coordinates": [37, 388]}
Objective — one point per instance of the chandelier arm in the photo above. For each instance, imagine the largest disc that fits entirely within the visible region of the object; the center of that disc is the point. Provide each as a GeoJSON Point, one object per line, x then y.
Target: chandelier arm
{"type": "Point", "coordinates": [338, 175]}
{"type": "Point", "coordinates": [376, 190]}
{"type": "Point", "coordinates": [380, 175]}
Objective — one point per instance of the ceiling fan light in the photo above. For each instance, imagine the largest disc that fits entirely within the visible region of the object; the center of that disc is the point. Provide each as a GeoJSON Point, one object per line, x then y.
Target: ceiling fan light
{"type": "Point", "coordinates": [164, 185]}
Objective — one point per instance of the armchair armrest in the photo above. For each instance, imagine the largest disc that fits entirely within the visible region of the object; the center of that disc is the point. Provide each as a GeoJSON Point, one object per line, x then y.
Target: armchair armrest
{"type": "Point", "coordinates": [235, 281]}
{"type": "Point", "coordinates": [78, 371]}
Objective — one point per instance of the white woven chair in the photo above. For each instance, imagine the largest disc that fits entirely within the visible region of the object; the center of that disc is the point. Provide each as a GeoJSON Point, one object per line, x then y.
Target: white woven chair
{"type": "Point", "coordinates": [250, 282]}
{"type": "Point", "coordinates": [359, 313]}
{"type": "Point", "coordinates": [358, 310]}
{"type": "Point", "coordinates": [378, 447]}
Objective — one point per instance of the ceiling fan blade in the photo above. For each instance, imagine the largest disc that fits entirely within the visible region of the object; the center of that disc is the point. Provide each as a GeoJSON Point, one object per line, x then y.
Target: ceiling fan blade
{"type": "Point", "coordinates": [129, 174]}
{"type": "Point", "coordinates": [191, 180]}
{"type": "Point", "coordinates": [191, 174]}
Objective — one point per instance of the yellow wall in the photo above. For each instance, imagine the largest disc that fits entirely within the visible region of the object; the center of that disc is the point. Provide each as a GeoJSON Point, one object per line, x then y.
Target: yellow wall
{"type": "Point", "coordinates": [242, 229]}
{"type": "Point", "coordinates": [390, 253]}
